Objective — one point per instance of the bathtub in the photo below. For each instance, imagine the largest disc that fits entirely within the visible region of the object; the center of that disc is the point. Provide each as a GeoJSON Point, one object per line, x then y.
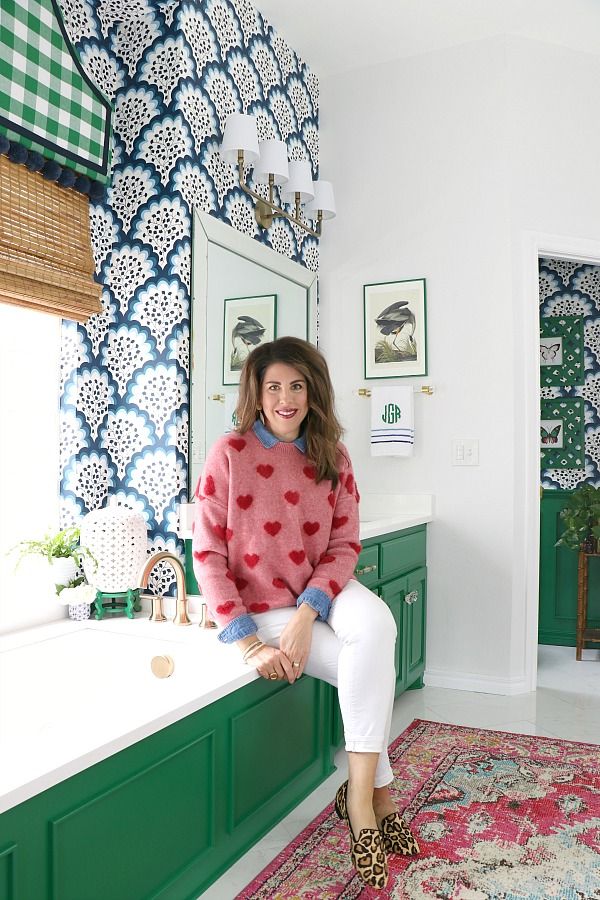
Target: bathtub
{"type": "Point", "coordinates": [74, 693]}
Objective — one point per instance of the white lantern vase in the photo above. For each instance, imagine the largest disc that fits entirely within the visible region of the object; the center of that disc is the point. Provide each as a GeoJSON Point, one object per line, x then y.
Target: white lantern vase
{"type": "Point", "coordinates": [117, 540]}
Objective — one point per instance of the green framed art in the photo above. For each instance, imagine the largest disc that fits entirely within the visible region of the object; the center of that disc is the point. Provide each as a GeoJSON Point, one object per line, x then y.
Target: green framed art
{"type": "Point", "coordinates": [561, 351]}
{"type": "Point", "coordinates": [562, 439]}
{"type": "Point", "coordinates": [395, 329]}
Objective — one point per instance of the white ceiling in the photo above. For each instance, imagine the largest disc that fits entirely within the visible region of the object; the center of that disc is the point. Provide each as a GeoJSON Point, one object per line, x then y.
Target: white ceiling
{"type": "Point", "coordinates": [338, 35]}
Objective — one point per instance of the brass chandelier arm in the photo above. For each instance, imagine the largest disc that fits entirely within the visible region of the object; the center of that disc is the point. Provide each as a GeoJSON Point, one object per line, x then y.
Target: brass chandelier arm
{"type": "Point", "coordinates": [265, 210]}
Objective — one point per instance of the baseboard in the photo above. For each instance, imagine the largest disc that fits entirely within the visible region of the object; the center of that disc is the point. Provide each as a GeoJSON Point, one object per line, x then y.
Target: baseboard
{"type": "Point", "coordinates": [481, 684]}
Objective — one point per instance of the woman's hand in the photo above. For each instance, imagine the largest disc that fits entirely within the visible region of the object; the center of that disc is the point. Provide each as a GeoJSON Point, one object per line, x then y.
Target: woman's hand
{"type": "Point", "coordinates": [269, 660]}
{"type": "Point", "coordinates": [296, 637]}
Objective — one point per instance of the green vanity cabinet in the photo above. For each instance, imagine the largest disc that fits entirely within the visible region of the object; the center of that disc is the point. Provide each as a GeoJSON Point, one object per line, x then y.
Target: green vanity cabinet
{"type": "Point", "coordinates": [394, 566]}
{"type": "Point", "coordinates": [166, 816]}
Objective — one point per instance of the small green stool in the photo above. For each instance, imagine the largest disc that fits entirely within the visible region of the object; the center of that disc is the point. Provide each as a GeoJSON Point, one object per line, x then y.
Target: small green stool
{"type": "Point", "coordinates": [118, 602]}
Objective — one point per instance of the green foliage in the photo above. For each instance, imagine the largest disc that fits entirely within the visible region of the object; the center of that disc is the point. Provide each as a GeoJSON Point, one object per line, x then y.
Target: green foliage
{"type": "Point", "coordinates": [581, 517]}
{"type": "Point", "coordinates": [63, 545]}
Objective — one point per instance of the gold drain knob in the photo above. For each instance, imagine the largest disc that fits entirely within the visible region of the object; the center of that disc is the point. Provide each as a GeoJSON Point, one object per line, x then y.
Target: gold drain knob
{"type": "Point", "coordinates": [162, 666]}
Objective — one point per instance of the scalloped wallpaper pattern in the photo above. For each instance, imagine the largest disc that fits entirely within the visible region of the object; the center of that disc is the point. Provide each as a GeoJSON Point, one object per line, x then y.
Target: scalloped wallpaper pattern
{"type": "Point", "coordinates": [570, 288]}
{"type": "Point", "coordinates": [174, 71]}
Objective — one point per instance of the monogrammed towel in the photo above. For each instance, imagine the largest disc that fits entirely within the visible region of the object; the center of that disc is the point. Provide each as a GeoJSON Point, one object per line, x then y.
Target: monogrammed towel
{"type": "Point", "coordinates": [392, 421]}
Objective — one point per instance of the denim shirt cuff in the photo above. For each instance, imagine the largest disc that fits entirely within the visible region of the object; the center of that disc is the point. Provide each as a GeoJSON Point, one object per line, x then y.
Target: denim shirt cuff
{"type": "Point", "coordinates": [237, 629]}
{"type": "Point", "coordinates": [317, 600]}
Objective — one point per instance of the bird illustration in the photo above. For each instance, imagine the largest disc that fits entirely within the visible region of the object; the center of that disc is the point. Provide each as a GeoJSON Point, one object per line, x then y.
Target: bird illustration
{"type": "Point", "coordinates": [393, 319]}
{"type": "Point", "coordinates": [247, 332]}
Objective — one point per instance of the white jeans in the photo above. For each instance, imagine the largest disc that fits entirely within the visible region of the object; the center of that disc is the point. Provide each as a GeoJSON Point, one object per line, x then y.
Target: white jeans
{"type": "Point", "coordinates": [353, 651]}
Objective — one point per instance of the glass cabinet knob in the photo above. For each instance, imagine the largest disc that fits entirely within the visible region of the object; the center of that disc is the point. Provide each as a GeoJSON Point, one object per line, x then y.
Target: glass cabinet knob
{"type": "Point", "coordinates": [412, 597]}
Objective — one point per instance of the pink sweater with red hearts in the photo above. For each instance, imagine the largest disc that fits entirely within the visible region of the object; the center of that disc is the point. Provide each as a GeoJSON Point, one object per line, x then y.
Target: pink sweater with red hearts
{"type": "Point", "coordinates": [266, 535]}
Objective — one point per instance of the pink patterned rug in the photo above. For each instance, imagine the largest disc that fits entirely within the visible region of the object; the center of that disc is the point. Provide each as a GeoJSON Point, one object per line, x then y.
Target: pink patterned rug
{"type": "Point", "coordinates": [498, 816]}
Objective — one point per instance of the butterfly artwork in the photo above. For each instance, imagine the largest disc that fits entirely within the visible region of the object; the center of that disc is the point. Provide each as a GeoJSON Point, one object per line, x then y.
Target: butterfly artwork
{"type": "Point", "coordinates": [550, 437]}
{"type": "Point", "coordinates": [550, 354]}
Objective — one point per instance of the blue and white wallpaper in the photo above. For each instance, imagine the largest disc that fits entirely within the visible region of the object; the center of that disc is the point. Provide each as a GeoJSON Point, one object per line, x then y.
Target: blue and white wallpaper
{"type": "Point", "coordinates": [174, 70]}
{"type": "Point", "coordinates": [569, 288]}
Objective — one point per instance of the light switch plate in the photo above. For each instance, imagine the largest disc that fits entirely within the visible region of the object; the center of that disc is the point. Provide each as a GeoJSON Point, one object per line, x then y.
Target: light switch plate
{"type": "Point", "coordinates": [465, 452]}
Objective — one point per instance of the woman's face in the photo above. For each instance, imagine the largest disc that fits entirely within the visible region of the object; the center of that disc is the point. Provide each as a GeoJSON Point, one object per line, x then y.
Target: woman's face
{"type": "Point", "coordinates": [284, 400]}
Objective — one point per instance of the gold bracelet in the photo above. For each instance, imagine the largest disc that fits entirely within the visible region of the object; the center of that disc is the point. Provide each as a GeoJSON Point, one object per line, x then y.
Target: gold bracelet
{"type": "Point", "coordinates": [252, 649]}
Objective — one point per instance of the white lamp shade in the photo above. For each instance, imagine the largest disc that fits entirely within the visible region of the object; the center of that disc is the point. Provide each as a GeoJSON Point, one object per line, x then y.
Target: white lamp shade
{"type": "Point", "coordinates": [272, 161]}
{"type": "Point", "coordinates": [300, 182]}
{"type": "Point", "coordinates": [323, 200]}
{"type": "Point", "coordinates": [240, 134]}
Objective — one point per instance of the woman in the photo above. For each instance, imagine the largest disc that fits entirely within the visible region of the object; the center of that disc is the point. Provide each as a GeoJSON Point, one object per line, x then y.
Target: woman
{"type": "Point", "coordinates": [276, 540]}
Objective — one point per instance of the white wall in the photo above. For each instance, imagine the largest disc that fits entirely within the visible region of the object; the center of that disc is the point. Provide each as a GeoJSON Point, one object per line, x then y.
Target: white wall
{"type": "Point", "coordinates": [29, 451]}
{"type": "Point", "coordinates": [440, 162]}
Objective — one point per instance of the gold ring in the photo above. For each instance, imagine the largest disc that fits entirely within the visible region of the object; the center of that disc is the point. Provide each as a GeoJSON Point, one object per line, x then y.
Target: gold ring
{"type": "Point", "coordinates": [296, 665]}
{"type": "Point", "coordinates": [273, 676]}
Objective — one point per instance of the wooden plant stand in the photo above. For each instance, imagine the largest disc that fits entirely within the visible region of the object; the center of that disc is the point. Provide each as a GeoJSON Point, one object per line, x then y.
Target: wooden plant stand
{"type": "Point", "coordinates": [583, 632]}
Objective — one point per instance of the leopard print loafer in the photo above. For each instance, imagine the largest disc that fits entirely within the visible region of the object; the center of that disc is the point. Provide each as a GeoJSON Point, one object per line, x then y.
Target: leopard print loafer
{"type": "Point", "coordinates": [366, 851]}
{"type": "Point", "coordinates": [397, 836]}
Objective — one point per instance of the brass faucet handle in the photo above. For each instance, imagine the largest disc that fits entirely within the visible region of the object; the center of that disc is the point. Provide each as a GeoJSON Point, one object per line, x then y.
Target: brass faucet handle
{"type": "Point", "coordinates": [156, 609]}
{"type": "Point", "coordinates": [205, 622]}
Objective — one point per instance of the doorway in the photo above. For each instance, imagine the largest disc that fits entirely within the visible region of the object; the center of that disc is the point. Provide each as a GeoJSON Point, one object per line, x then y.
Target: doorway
{"type": "Point", "coordinates": [566, 251]}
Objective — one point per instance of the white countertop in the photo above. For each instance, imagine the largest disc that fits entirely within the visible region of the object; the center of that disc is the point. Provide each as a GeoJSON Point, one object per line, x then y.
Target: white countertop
{"type": "Point", "coordinates": [63, 703]}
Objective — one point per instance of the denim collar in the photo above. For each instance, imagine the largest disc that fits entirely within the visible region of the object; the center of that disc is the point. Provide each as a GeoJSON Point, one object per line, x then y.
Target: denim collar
{"type": "Point", "coordinates": [268, 439]}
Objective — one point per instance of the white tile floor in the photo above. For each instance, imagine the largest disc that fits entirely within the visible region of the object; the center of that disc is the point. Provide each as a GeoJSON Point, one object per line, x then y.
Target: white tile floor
{"type": "Point", "coordinates": [565, 705]}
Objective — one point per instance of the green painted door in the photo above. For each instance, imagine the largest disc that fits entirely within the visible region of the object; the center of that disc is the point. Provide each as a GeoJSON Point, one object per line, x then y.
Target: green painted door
{"type": "Point", "coordinates": [414, 625]}
{"type": "Point", "coordinates": [558, 578]}
{"type": "Point", "coordinates": [393, 593]}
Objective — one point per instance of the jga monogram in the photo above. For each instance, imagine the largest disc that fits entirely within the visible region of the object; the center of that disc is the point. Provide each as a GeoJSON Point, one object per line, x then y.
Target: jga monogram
{"type": "Point", "coordinates": [391, 414]}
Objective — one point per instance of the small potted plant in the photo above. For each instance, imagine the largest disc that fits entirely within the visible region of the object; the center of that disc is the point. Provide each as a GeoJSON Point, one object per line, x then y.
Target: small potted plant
{"type": "Point", "coordinates": [63, 553]}
{"type": "Point", "coordinates": [581, 517]}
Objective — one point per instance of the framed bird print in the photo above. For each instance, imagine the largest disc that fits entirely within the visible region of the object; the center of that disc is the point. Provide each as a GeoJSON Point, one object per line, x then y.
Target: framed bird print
{"type": "Point", "coordinates": [247, 322]}
{"type": "Point", "coordinates": [562, 361]}
{"type": "Point", "coordinates": [395, 329]}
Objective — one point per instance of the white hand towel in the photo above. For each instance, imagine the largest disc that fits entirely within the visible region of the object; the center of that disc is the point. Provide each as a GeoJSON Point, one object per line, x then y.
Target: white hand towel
{"type": "Point", "coordinates": [392, 421]}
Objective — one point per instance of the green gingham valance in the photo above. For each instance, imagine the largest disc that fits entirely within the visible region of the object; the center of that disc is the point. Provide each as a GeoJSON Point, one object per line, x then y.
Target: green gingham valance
{"type": "Point", "coordinates": [47, 102]}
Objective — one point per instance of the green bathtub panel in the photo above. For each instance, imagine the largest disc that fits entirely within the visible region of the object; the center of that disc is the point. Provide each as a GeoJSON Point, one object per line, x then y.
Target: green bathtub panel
{"type": "Point", "coordinates": [265, 756]}
{"type": "Point", "coordinates": [122, 843]}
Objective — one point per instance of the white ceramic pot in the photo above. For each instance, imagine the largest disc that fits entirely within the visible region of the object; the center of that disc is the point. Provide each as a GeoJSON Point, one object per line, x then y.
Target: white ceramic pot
{"type": "Point", "coordinates": [117, 539]}
{"type": "Point", "coordinates": [79, 611]}
{"type": "Point", "coordinates": [62, 570]}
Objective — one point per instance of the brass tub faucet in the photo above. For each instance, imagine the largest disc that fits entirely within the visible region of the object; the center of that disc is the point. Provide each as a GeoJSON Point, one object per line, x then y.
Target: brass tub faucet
{"type": "Point", "coordinates": [181, 614]}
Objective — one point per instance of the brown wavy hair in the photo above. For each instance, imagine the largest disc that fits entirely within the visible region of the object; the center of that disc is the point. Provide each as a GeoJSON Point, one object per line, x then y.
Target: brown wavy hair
{"type": "Point", "coordinates": [321, 428]}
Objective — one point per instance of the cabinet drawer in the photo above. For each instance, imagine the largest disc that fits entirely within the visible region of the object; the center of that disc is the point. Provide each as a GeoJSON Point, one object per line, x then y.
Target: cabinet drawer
{"type": "Point", "coordinates": [402, 553]}
{"type": "Point", "coordinates": [367, 566]}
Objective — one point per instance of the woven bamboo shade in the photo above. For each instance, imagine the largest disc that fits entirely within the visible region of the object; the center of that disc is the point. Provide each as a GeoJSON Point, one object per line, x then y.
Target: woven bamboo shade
{"type": "Point", "coordinates": [46, 257]}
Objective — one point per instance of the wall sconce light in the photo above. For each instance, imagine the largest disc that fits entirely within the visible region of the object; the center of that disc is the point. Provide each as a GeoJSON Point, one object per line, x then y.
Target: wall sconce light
{"type": "Point", "coordinates": [240, 146]}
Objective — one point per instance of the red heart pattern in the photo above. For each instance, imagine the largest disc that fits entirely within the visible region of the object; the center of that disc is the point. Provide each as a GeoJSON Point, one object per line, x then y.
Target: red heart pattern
{"type": "Point", "coordinates": [311, 528]}
{"type": "Point", "coordinates": [265, 470]}
{"type": "Point", "coordinates": [259, 607]}
{"type": "Point", "coordinates": [297, 556]}
{"type": "Point", "coordinates": [292, 497]}
{"type": "Point", "coordinates": [224, 533]}
{"type": "Point", "coordinates": [327, 558]}
{"type": "Point", "coordinates": [310, 472]}
{"type": "Point", "coordinates": [209, 486]}
{"type": "Point", "coordinates": [241, 583]}
{"type": "Point", "coordinates": [200, 555]}
{"type": "Point", "coordinates": [331, 498]}
{"type": "Point", "coordinates": [272, 528]}
{"type": "Point", "coordinates": [338, 521]}
{"type": "Point", "coordinates": [237, 444]}
{"type": "Point", "coordinates": [225, 608]}
{"type": "Point", "coordinates": [278, 583]}
{"type": "Point", "coordinates": [244, 501]}
{"type": "Point", "coordinates": [251, 559]}
{"type": "Point", "coordinates": [356, 547]}
{"type": "Point", "coordinates": [350, 483]}
{"type": "Point", "coordinates": [335, 588]}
